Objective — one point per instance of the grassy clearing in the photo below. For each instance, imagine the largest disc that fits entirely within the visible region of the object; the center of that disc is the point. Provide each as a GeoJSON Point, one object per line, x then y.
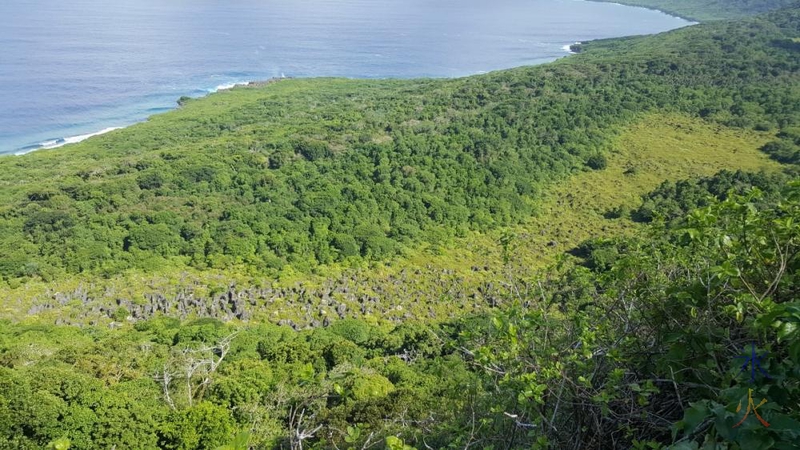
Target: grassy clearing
{"type": "Point", "coordinates": [658, 148]}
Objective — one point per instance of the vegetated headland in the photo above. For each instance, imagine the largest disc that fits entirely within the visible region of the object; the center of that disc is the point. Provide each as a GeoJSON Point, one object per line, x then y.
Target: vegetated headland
{"type": "Point", "coordinates": [572, 255]}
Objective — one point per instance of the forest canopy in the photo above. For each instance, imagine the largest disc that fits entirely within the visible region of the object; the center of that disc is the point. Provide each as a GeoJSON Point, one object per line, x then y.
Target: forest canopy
{"type": "Point", "coordinates": [304, 173]}
{"type": "Point", "coordinates": [634, 341]}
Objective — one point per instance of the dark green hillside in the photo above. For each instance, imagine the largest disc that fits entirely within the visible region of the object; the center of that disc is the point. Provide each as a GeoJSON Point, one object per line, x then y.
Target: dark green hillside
{"type": "Point", "coordinates": [706, 10]}
{"type": "Point", "coordinates": [141, 239]}
{"type": "Point", "coordinates": [309, 172]}
{"type": "Point", "coordinates": [640, 352]}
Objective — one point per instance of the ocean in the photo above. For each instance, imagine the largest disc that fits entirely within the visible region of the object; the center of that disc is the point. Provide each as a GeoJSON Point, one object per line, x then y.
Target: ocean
{"type": "Point", "coordinates": [75, 68]}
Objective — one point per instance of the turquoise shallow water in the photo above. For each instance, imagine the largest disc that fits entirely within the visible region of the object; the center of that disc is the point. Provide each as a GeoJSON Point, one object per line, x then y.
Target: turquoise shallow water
{"type": "Point", "coordinates": [71, 68]}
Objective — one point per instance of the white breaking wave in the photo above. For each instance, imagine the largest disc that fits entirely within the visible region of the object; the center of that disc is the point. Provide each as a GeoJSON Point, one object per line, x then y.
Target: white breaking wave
{"type": "Point", "coordinates": [55, 143]}
{"type": "Point", "coordinates": [226, 86]}
{"type": "Point", "coordinates": [568, 48]}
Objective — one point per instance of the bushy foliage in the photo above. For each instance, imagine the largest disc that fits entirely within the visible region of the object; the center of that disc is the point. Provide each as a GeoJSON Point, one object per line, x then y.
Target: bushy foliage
{"type": "Point", "coordinates": [635, 346]}
{"type": "Point", "coordinates": [257, 178]}
{"type": "Point", "coordinates": [641, 350]}
{"type": "Point", "coordinates": [646, 352]}
{"type": "Point", "coordinates": [787, 148]}
{"type": "Point", "coordinates": [672, 201]}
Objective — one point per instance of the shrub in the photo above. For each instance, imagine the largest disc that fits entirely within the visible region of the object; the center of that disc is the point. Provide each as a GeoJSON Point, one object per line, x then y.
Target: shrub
{"type": "Point", "coordinates": [312, 150]}
{"type": "Point", "coordinates": [597, 162]}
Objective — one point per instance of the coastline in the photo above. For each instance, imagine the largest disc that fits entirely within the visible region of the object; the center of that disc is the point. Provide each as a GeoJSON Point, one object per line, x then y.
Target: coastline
{"type": "Point", "coordinates": [55, 143]}
{"type": "Point", "coordinates": [568, 48]}
{"type": "Point", "coordinates": [60, 142]}
{"type": "Point", "coordinates": [677, 15]}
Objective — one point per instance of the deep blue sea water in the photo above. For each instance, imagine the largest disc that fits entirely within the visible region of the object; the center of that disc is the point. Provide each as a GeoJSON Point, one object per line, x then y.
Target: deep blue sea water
{"type": "Point", "coordinates": [73, 67]}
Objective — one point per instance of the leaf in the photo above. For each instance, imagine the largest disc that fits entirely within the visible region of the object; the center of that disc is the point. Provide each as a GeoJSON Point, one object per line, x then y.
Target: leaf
{"type": "Point", "coordinates": [241, 440]}
{"type": "Point", "coordinates": [786, 331]}
{"type": "Point", "coordinates": [352, 435]}
{"type": "Point", "coordinates": [727, 269]}
{"type": "Point", "coordinates": [756, 439]}
{"type": "Point", "coordinates": [784, 423]}
{"type": "Point", "coordinates": [498, 324]}
{"type": "Point", "coordinates": [694, 416]}
{"type": "Point", "coordinates": [794, 351]}
{"type": "Point", "coordinates": [684, 445]}
{"type": "Point", "coordinates": [785, 446]}
{"type": "Point", "coordinates": [724, 426]}
{"type": "Point", "coordinates": [393, 442]}
{"type": "Point", "coordinates": [60, 444]}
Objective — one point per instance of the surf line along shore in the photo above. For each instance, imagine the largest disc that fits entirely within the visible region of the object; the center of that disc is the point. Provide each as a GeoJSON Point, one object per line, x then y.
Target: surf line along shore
{"type": "Point", "coordinates": [60, 142]}
{"type": "Point", "coordinates": [244, 84]}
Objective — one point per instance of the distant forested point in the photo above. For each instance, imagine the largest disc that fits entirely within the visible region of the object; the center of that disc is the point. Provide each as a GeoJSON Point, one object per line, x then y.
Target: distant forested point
{"type": "Point", "coordinates": [708, 10]}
